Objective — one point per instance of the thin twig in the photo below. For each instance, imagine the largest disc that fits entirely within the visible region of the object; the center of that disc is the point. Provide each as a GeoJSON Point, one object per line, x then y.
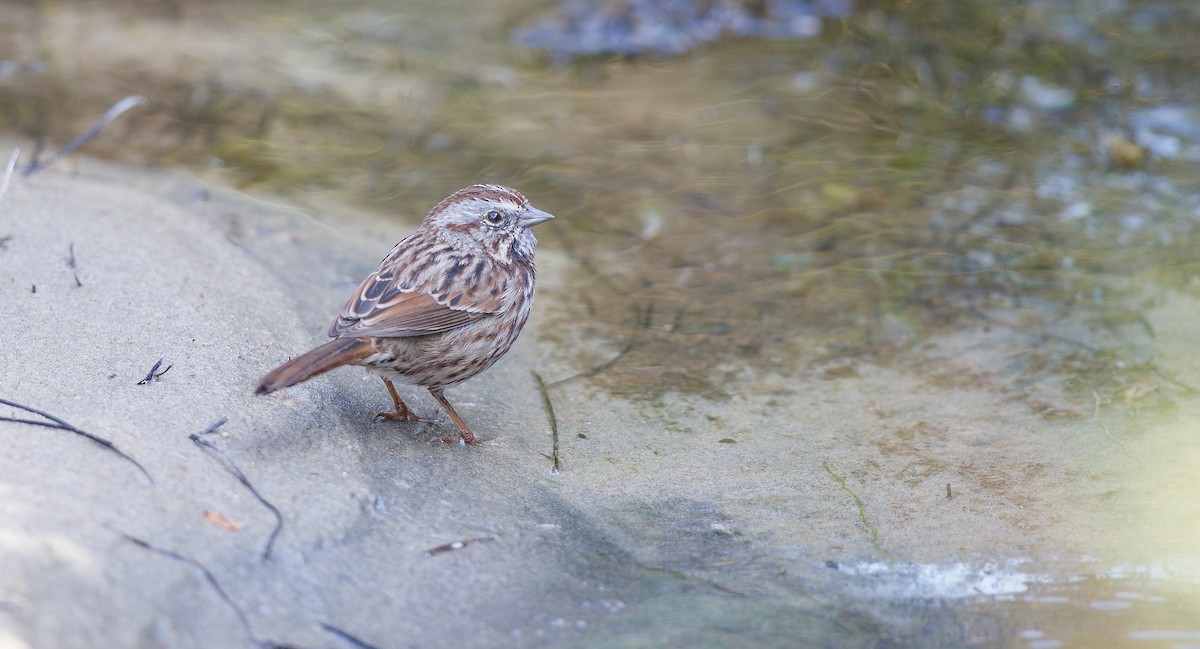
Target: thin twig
{"type": "Point", "coordinates": [1043, 332]}
{"type": "Point", "coordinates": [8, 172]}
{"type": "Point", "coordinates": [132, 101]}
{"type": "Point", "coordinates": [72, 265]}
{"type": "Point", "coordinates": [642, 320]}
{"type": "Point", "coordinates": [676, 575]}
{"type": "Point", "coordinates": [153, 374]}
{"type": "Point", "coordinates": [862, 511]}
{"type": "Point", "coordinates": [1103, 426]}
{"type": "Point", "coordinates": [354, 641]}
{"type": "Point", "coordinates": [59, 424]}
{"type": "Point", "coordinates": [208, 576]}
{"type": "Point", "coordinates": [456, 545]}
{"type": "Point", "coordinates": [553, 422]}
{"type": "Point", "coordinates": [598, 368]}
{"type": "Point", "coordinates": [1170, 379]}
{"type": "Point", "coordinates": [1098, 302]}
{"type": "Point", "coordinates": [198, 438]}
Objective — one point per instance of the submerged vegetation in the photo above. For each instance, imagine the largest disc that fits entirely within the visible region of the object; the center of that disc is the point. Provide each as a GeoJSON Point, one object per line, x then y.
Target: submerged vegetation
{"type": "Point", "coordinates": [917, 165]}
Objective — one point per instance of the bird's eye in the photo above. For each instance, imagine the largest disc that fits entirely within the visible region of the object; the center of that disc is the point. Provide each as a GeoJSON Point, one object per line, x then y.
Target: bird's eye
{"type": "Point", "coordinates": [494, 217]}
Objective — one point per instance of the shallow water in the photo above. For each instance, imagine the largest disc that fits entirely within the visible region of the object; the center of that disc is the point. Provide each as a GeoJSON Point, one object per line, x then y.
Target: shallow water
{"type": "Point", "coordinates": [883, 337]}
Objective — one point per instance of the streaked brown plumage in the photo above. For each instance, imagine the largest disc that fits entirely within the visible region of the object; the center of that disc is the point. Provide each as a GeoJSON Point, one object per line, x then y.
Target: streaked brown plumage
{"type": "Point", "coordinates": [443, 306]}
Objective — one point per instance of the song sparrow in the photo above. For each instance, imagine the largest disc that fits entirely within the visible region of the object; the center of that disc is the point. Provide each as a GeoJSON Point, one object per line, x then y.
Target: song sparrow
{"type": "Point", "coordinates": [443, 306]}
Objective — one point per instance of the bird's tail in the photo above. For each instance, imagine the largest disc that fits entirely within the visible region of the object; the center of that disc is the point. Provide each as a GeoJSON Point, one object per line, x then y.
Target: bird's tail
{"type": "Point", "coordinates": [342, 351]}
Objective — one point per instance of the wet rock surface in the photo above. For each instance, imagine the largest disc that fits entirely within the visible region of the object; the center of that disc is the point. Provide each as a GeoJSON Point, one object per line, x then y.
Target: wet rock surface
{"type": "Point", "coordinates": [888, 334]}
{"type": "Point", "coordinates": [824, 509]}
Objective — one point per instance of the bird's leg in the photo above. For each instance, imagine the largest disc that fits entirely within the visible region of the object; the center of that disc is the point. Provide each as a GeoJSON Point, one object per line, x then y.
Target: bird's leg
{"type": "Point", "coordinates": [464, 434]}
{"type": "Point", "coordinates": [401, 411]}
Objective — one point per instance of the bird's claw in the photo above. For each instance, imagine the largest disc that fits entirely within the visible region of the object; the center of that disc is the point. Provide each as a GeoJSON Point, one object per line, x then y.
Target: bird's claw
{"type": "Point", "coordinates": [461, 439]}
{"type": "Point", "coordinates": [401, 415]}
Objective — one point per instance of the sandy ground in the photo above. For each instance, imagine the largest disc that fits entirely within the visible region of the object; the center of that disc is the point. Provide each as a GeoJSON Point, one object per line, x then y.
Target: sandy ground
{"type": "Point", "coordinates": [800, 511]}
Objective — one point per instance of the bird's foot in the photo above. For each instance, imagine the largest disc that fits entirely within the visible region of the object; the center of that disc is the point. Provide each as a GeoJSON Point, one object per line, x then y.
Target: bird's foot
{"type": "Point", "coordinates": [402, 415]}
{"type": "Point", "coordinates": [465, 438]}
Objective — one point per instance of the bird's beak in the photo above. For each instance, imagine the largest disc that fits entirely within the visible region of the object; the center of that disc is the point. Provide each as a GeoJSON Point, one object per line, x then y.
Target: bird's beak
{"type": "Point", "coordinates": [531, 216]}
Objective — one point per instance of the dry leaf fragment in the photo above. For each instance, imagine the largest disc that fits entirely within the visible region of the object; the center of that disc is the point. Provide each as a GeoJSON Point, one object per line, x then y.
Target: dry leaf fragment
{"type": "Point", "coordinates": [217, 518]}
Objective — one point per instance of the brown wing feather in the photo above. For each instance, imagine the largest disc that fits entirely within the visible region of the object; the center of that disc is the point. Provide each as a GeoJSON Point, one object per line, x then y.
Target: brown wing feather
{"type": "Point", "coordinates": [410, 295]}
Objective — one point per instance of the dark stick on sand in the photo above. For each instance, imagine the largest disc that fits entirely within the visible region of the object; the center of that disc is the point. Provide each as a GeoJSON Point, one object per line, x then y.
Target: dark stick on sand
{"type": "Point", "coordinates": [153, 374]}
{"type": "Point", "coordinates": [198, 438]}
{"type": "Point", "coordinates": [55, 422]}
{"type": "Point", "coordinates": [208, 576]}
{"type": "Point", "coordinates": [549, 406]}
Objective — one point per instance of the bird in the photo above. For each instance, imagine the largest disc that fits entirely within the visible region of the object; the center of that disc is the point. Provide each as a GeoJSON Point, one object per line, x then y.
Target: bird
{"type": "Point", "coordinates": [444, 305]}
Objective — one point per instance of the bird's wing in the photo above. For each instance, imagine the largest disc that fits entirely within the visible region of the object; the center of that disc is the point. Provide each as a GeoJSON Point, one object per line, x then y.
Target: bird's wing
{"type": "Point", "coordinates": [410, 296]}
